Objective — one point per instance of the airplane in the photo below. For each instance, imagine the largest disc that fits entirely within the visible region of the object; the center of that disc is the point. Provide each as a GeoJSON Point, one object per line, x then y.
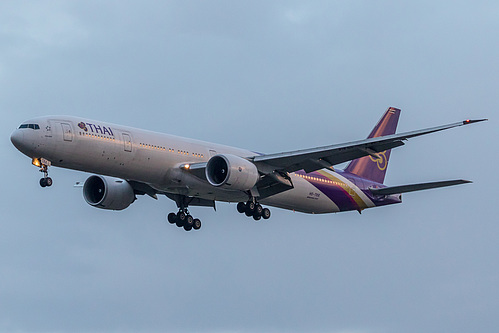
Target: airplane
{"type": "Point", "coordinates": [127, 162]}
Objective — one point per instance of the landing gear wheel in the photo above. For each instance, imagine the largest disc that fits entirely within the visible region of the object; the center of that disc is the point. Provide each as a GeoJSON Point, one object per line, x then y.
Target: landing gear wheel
{"type": "Point", "coordinates": [187, 228]}
{"type": "Point", "coordinates": [172, 218]}
{"type": "Point", "coordinates": [196, 224]}
{"type": "Point", "coordinates": [48, 181]}
{"type": "Point", "coordinates": [258, 210]}
{"type": "Point", "coordinates": [266, 213]}
{"type": "Point", "coordinates": [189, 222]}
{"type": "Point", "coordinates": [181, 217]}
{"type": "Point", "coordinates": [241, 207]}
{"type": "Point", "coordinates": [43, 182]}
{"type": "Point", "coordinates": [250, 206]}
{"type": "Point", "coordinates": [257, 217]}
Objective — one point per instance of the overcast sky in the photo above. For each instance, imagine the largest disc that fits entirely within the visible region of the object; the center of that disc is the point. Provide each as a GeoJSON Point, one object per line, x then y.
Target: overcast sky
{"type": "Point", "coordinates": [269, 76]}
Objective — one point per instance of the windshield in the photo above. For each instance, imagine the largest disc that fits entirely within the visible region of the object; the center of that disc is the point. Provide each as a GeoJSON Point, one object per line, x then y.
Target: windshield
{"type": "Point", "coordinates": [32, 126]}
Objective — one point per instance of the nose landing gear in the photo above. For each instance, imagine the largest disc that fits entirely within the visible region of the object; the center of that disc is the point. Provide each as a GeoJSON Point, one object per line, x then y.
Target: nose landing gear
{"type": "Point", "coordinates": [43, 164]}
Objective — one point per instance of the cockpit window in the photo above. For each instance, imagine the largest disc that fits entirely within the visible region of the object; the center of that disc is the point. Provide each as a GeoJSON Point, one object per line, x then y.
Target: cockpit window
{"type": "Point", "coordinates": [32, 126]}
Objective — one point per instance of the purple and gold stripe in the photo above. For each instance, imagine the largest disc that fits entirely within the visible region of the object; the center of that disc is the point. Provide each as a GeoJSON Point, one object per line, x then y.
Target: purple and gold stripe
{"type": "Point", "coordinates": [338, 189]}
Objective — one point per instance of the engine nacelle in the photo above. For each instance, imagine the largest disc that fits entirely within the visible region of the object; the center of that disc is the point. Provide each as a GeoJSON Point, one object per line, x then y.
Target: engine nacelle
{"type": "Point", "coordinates": [231, 171]}
{"type": "Point", "coordinates": [108, 192]}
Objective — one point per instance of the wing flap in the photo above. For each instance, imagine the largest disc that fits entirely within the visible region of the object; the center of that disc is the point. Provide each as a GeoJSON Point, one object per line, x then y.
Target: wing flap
{"type": "Point", "coordinates": [416, 187]}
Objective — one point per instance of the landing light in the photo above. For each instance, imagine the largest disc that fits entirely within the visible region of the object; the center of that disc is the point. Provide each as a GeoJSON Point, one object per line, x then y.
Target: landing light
{"type": "Point", "coordinates": [36, 162]}
{"type": "Point", "coordinates": [185, 166]}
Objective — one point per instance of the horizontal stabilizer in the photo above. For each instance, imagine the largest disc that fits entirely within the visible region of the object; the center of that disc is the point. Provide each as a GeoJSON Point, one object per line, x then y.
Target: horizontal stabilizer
{"type": "Point", "coordinates": [416, 187]}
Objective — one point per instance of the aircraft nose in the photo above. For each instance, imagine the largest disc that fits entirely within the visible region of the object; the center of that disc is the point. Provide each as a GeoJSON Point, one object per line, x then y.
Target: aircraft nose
{"type": "Point", "coordinates": [17, 139]}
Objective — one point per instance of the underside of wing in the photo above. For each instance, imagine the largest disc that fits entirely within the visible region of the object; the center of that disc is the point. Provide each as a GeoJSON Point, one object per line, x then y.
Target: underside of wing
{"type": "Point", "coordinates": [140, 188]}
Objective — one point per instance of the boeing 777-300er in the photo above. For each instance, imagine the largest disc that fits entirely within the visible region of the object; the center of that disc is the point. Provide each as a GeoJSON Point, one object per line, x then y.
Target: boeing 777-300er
{"type": "Point", "coordinates": [128, 162]}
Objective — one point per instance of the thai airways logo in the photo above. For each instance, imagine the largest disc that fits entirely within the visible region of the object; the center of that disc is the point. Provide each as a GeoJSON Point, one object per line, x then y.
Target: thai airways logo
{"type": "Point", "coordinates": [96, 129]}
{"type": "Point", "coordinates": [381, 161]}
{"type": "Point", "coordinates": [83, 126]}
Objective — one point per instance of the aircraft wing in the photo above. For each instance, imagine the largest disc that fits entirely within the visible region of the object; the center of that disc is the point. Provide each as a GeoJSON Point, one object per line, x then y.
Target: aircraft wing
{"type": "Point", "coordinates": [274, 167]}
{"type": "Point", "coordinates": [327, 156]}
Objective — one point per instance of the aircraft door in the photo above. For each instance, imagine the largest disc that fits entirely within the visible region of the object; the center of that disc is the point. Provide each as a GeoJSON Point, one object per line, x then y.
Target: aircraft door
{"type": "Point", "coordinates": [67, 132]}
{"type": "Point", "coordinates": [127, 141]}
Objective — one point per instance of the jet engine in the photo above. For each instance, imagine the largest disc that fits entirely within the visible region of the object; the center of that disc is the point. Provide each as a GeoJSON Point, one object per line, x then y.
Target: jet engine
{"type": "Point", "coordinates": [108, 192]}
{"type": "Point", "coordinates": [232, 172]}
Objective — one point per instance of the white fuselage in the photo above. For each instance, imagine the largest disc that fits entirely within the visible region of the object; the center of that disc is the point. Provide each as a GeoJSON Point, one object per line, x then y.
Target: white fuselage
{"type": "Point", "coordinates": [152, 158]}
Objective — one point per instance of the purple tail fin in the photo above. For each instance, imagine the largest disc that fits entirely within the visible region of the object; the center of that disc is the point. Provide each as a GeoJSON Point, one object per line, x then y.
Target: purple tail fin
{"type": "Point", "coordinates": [369, 167]}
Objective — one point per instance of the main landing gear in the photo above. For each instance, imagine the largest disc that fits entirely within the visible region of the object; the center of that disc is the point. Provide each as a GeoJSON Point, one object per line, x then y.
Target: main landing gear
{"type": "Point", "coordinates": [185, 220]}
{"type": "Point", "coordinates": [252, 208]}
{"type": "Point", "coordinates": [43, 164]}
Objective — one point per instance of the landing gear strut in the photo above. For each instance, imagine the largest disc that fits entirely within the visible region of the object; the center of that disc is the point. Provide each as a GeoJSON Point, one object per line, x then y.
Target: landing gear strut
{"type": "Point", "coordinates": [183, 218]}
{"type": "Point", "coordinates": [253, 208]}
{"type": "Point", "coordinates": [43, 164]}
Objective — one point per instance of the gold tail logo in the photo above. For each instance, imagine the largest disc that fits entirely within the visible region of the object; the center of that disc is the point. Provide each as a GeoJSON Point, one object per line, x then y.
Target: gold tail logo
{"type": "Point", "coordinates": [381, 161]}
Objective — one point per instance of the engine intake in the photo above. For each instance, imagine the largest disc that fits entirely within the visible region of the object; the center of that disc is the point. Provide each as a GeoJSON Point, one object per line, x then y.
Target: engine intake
{"type": "Point", "coordinates": [231, 171]}
{"type": "Point", "coordinates": [108, 192]}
